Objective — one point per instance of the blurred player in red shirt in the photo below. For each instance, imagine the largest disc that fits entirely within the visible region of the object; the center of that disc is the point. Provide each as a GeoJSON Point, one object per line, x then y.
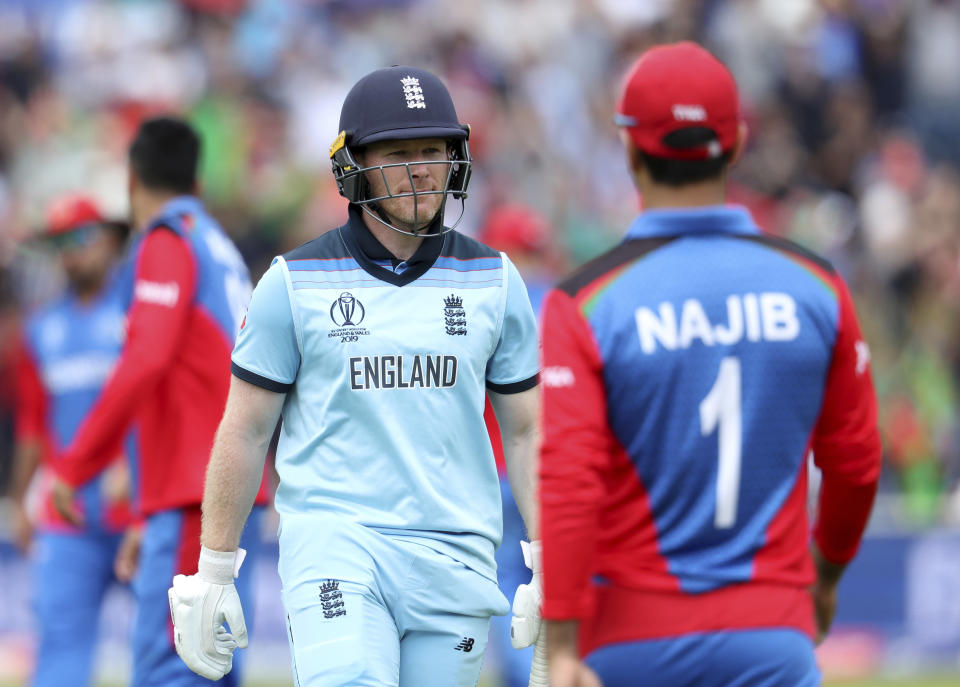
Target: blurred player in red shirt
{"type": "Point", "coordinates": [187, 288]}
{"type": "Point", "coordinates": [688, 374]}
{"type": "Point", "coordinates": [69, 347]}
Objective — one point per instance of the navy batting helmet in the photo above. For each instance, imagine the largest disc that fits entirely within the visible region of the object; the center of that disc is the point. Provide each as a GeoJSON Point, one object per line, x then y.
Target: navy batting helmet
{"type": "Point", "coordinates": [398, 103]}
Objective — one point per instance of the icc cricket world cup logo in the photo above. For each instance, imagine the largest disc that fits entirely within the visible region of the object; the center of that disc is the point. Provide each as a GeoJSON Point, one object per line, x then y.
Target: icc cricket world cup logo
{"type": "Point", "coordinates": [347, 311]}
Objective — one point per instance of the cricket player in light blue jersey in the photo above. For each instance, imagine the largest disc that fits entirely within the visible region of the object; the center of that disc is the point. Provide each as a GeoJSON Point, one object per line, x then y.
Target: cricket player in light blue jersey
{"type": "Point", "coordinates": [376, 343]}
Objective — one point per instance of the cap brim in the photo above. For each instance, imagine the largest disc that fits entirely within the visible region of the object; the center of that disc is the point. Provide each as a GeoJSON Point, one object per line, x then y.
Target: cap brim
{"type": "Point", "coordinates": [412, 132]}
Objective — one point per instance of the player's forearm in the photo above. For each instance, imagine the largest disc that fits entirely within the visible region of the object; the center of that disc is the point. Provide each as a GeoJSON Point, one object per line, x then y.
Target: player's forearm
{"type": "Point", "coordinates": [236, 463]}
{"type": "Point", "coordinates": [842, 514]}
{"type": "Point", "coordinates": [520, 455]}
{"type": "Point", "coordinates": [26, 458]}
{"type": "Point", "coordinates": [519, 418]}
{"type": "Point", "coordinates": [828, 572]}
{"type": "Point", "coordinates": [233, 478]}
{"type": "Point", "coordinates": [561, 637]}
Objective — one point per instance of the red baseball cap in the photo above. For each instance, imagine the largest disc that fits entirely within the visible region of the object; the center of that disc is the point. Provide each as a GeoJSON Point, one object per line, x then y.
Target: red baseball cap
{"type": "Point", "coordinates": [516, 228]}
{"type": "Point", "coordinates": [70, 212]}
{"type": "Point", "coordinates": [680, 102]}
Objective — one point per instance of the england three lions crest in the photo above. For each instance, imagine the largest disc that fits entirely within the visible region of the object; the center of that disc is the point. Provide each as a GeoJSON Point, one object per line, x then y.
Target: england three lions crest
{"type": "Point", "coordinates": [454, 316]}
{"type": "Point", "coordinates": [331, 599]}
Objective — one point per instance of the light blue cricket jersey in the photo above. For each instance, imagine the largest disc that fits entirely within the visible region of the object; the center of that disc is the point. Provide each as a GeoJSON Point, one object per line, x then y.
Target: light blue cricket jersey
{"type": "Point", "coordinates": [385, 366]}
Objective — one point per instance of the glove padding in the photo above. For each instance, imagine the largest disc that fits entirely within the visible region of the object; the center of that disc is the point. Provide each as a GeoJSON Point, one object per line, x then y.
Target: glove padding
{"type": "Point", "coordinates": [526, 621]}
{"type": "Point", "coordinates": [199, 605]}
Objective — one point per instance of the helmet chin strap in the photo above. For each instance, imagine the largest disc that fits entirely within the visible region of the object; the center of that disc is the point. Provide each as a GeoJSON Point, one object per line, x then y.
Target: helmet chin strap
{"type": "Point", "coordinates": [380, 216]}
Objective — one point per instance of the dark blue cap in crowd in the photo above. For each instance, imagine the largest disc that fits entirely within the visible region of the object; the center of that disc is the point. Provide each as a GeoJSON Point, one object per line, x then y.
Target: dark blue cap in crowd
{"type": "Point", "coordinates": [399, 103]}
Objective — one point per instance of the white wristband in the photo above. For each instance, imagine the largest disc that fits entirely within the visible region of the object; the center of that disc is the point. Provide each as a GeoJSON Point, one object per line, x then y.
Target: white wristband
{"type": "Point", "coordinates": [219, 567]}
{"type": "Point", "coordinates": [533, 555]}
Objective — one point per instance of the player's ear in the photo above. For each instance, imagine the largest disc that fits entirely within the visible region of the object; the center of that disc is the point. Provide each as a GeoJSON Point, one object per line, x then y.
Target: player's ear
{"type": "Point", "coordinates": [359, 154]}
{"type": "Point", "coordinates": [634, 159]}
{"type": "Point", "coordinates": [742, 131]}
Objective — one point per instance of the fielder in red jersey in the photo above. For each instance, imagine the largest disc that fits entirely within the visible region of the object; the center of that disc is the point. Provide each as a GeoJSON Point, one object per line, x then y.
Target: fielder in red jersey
{"type": "Point", "coordinates": [688, 375]}
{"type": "Point", "coordinates": [187, 290]}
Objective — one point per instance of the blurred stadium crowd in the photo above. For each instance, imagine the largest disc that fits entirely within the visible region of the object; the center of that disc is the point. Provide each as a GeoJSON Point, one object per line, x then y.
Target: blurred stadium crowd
{"type": "Point", "coordinates": [854, 146]}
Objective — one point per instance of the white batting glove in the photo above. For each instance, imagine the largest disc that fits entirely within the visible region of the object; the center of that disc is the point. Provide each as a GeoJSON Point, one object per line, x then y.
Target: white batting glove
{"type": "Point", "coordinates": [199, 605]}
{"type": "Point", "coordinates": [526, 621]}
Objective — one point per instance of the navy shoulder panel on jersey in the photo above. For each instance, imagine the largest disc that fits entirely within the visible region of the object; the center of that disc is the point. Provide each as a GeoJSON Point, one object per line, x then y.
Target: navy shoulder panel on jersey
{"type": "Point", "coordinates": [465, 248]}
{"type": "Point", "coordinates": [789, 246]}
{"type": "Point", "coordinates": [328, 245]}
{"type": "Point", "coordinates": [636, 248]}
{"type": "Point", "coordinates": [596, 268]}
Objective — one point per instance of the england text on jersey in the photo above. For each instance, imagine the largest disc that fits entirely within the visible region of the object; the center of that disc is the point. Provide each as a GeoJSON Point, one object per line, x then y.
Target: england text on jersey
{"type": "Point", "coordinates": [392, 372]}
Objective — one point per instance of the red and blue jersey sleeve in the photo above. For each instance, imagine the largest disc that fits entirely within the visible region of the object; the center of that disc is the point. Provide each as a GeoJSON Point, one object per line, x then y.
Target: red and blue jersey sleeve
{"type": "Point", "coordinates": [846, 444]}
{"type": "Point", "coordinates": [31, 416]}
{"type": "Point", "coordinates": [575, 455]}
{"type": "Point", "coordinates": [165, 283]}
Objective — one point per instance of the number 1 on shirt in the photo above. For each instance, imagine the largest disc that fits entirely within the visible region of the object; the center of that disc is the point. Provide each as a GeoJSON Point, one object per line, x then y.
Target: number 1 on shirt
{"type": "Point", "coordinates": [721, 410]}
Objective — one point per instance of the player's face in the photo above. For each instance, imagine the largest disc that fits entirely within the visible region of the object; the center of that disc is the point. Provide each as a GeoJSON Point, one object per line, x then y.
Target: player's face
{"type": "Point", "coordinates": [426, 170]}
{"type": "Point", "coordinates": [86, 255]}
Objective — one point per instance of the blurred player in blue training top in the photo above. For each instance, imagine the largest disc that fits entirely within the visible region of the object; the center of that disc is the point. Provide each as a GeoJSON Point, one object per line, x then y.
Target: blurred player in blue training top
{"type": "Point", "coordinates": [185, 290]}
{"type": "Point", "coordinates": [377, 343]}
{"type": "Point", "coordinates": [689, 373]}
{"type": "Point", "coordinates": [70, 347]}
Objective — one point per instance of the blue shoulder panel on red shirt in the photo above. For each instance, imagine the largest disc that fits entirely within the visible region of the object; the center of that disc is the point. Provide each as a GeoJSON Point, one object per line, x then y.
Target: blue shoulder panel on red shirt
{"type": "Point", "coordinates": [223, 281]}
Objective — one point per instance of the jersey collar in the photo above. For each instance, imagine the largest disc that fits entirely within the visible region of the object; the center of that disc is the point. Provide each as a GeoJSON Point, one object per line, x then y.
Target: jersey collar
{"type": "Point", "coordinates": [712, 219]}
{"type": "Point", "coordinates": [365, 249]}
{"type": "Point", "coordinates": [181, 205]}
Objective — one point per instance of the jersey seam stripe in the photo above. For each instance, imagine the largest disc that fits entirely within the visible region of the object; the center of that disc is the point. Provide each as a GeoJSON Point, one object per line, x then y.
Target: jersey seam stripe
{"type": "Point", "coordinates": [329, 286]}
{"type": "Point", "coordinates": [501, 316]}
{"type": "Point", "coordinates": [454, 257]}
{"type": "Point", "coordinates": [589, 297]}
{"type": "Point", "coordinates": [291, 303]}
{"type": "Point", "coordinates": [435, 267]}
{"type": "Point", "coordinates": [348, 257]}
{"type": "Point", "coordinates": [477, 281]}
{"type": "Point", "coordinates": [332, 281]}
{"type": "Point", "coordinates": [259, 380]}
{"type": "Point", "coordinates": [475, 269]}
{"type": "Point", "coordinates": [368, 281]}
{"type": "Point", "coordinates": [346, 269]}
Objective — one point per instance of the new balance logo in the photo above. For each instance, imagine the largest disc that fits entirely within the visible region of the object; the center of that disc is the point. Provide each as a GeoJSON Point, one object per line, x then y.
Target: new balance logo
{"type": "Point", "coordinates": [465, 645]}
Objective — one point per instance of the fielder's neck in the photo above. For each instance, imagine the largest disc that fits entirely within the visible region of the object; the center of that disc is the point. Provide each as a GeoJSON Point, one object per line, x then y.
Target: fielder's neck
{"type": "Point", "coordinates": [146, 205]}
{"type": "Point", "coordinates": [698, 194]}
